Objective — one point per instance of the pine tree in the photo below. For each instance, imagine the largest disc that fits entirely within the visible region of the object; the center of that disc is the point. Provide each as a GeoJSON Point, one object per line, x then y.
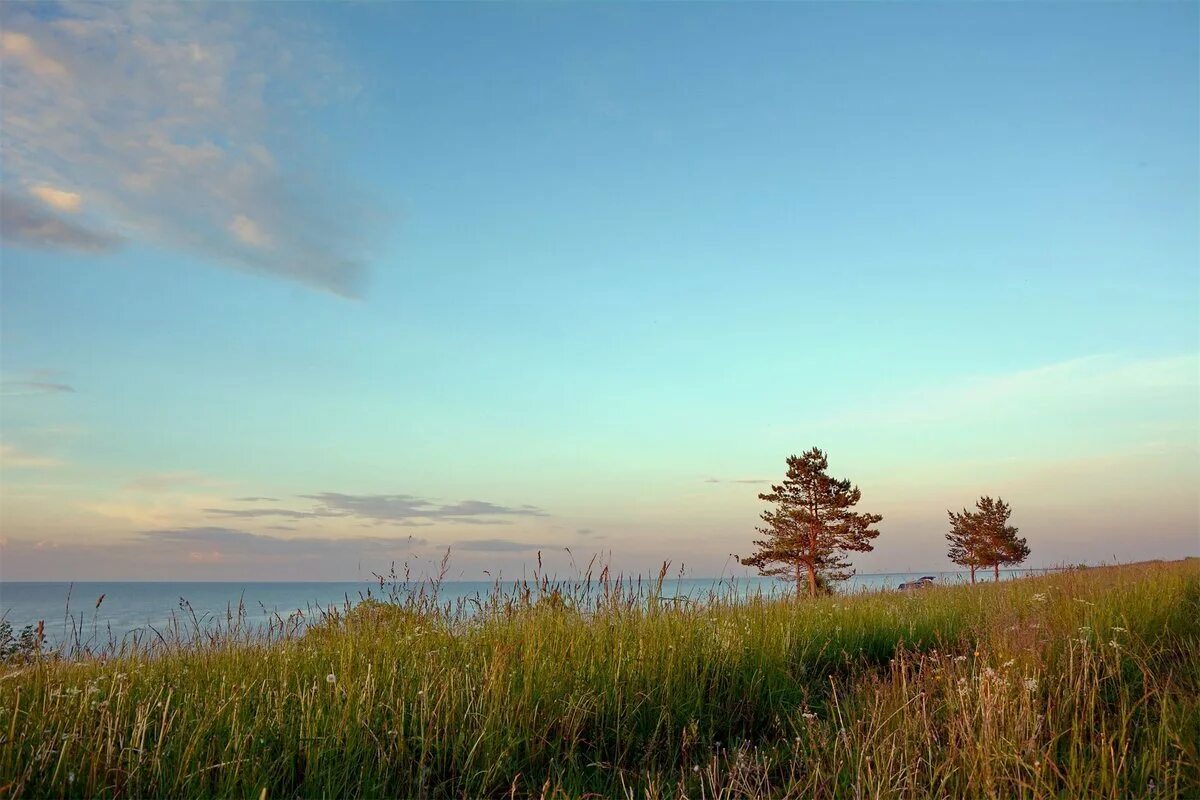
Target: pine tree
{"type": "Point", "coordinates": [812, 526]}
{"type": "Point", "coordinates": [964, 537]}
{"type": "Point", "coordinates": [1003, 545]}
{"type": "Point", "coordinates": [983, 538]}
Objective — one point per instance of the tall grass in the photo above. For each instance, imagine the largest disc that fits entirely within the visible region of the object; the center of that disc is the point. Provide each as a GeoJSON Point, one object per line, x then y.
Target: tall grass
{"type": "Point", "coordinates": [1077, 684]}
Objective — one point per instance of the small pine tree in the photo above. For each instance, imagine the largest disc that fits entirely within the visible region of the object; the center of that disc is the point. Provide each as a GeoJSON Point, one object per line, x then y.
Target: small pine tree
{"type": "Point", "coordinates": [812, 526]}
{"type": "Point", "coordinates": [1003, 544]}
{"type": "Point", "coordinates": [965, 546]}
{"type": "Point", "coordinates": [983, 538]}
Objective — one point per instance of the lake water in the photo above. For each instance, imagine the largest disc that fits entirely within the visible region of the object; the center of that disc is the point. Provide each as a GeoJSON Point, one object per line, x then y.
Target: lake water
{"type": "Point", "coordinates": [141, 608]}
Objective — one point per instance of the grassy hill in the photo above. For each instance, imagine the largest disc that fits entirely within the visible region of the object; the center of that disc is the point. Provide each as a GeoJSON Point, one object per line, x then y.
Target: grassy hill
{"type": "Point", "coordinates": [1078, 684]}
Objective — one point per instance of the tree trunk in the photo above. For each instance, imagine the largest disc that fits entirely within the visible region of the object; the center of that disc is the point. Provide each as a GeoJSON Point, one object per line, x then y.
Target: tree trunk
{"type": "Point", "coordinates": [799, 581]}
{"type": "Point", "coordinates": [972, 574]}
{"type": "Point", "coordinates": [812, 581]}
{"type": "Point", "coordinates": [996, 567]}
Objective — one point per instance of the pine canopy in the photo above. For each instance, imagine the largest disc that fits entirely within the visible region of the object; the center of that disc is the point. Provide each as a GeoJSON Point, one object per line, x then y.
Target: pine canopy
{"type": "Point", "coordinates": [812, 525]}
{"type": "Point", "coordinates": [983, 538]}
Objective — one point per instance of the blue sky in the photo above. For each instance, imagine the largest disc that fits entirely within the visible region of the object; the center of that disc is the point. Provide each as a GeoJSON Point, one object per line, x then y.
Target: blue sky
{"type": "Point", "coordinates": [503, 278]}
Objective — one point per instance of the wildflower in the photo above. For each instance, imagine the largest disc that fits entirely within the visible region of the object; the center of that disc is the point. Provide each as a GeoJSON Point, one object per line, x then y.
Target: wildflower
{"type": "Point", "coordinates": [809, 715]}
{"type": "Point", "coordinates": [960, 659]}
{"type": "Point", "coordinates": [331, 678]}
{"type": "Point", "coordinates": [1118, 628]}
{"type": "Point", "coordinates": [1039, 598]}
{"type": "Point", "coordinates": [70, 777]}
{"type": "Point", "coordinates": [1113, 643]}
{"type": "Point", "coordinates": [1031, 684]}
{"type": "Point", "coordinates": [695, 768]}
{"type": "Point", "coordinates": [1008, 663]}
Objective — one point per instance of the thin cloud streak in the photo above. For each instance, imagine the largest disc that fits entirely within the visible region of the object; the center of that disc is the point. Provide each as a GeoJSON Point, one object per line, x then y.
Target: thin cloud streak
{"type": "Point", "coordinates": [254, 513]}
{"type": "Point", "coordinates": [233, 542]}
{"type": "Point", "coordinates": [498, 546]}
{"type": "Point", "coordinates": [27, 388]}
{"type": "Point", "coordinates": [404, 507]}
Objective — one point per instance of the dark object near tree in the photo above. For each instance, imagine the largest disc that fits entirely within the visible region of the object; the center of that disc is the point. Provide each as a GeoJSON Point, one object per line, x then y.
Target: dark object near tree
{"type": "Point", "coordinates": [812, 526]}
{"type": "Point", "coordinates": [919, 583]}
{"type": "Point", "coordinates": [983, 538]}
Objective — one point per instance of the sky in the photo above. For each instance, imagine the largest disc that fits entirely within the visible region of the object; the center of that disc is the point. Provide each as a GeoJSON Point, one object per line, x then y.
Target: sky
{"type": "Point", "coordinates": [291, 291]}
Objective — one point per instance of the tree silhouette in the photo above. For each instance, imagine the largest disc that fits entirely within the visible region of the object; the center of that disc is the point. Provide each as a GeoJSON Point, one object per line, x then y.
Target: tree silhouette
{"type": "Point", "coordinates": [812, 526]}
{"type": "Point", "coordinates": [983, 538]}
{"type": "Point", "coordinates": [965, 546]}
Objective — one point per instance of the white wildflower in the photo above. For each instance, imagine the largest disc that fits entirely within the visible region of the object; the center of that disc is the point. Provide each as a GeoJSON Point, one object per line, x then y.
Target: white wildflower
{"type": "Point", "coordinates": [1031, 684]}
{"type": "Point", "coordinates": [960, 659]}
{"type": "Point", "coordinates": [331, 678]}
{"type": "Point", "coordinates": [1039, 598]}
{"type": "Point", "coordinates": [809, 715]}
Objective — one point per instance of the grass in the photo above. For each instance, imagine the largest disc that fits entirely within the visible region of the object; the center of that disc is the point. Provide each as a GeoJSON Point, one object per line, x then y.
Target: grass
{"type": "Point", "coordinates": [1079, 684]}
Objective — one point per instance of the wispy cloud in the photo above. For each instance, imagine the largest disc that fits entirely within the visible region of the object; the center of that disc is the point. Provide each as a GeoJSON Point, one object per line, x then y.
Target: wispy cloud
{"type": "Point", "coordinates": [498, 546]}
{"type": "Point", "coordinates": [25, 223]}
{"type": "Point", "coordinates": [20, 388]}
{"type": "Point", "coordinates": [1064, 385]}
{"type": "Point", "coordinates": [24, 51]}
{"type": "Point", "coordinates": [170, 124]}
{"type": "Point", "coordinates": [403, 507]}
{"type": "Point", "coordinates": [737, 480]}
{"type": "Point", "coordinates": [169, 482]}
{"type": "Point", "coordinates": [219, 543]}
{"type": "Point", "coordinates": [13, 457]}
{"type": "Point", "coordinates": [254, 513]}
{"type": "Point", "coordinates": [57, 199]}
{"type": "Point", "coordinates": [390, 509]}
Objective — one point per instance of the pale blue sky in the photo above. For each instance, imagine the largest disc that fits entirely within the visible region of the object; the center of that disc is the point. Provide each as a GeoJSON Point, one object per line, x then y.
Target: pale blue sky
{"type": "Point", "coordinates": [593, 269]}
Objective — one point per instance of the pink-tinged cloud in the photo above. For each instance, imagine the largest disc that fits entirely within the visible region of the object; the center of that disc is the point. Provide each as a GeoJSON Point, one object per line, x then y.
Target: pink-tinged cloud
{"type": "Point", "coordinates": [163, 118]}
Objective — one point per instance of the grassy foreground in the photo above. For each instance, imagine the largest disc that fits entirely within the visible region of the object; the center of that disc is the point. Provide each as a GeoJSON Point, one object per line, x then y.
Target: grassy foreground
{"type": "Point", "coordinates": [1082, 684]}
